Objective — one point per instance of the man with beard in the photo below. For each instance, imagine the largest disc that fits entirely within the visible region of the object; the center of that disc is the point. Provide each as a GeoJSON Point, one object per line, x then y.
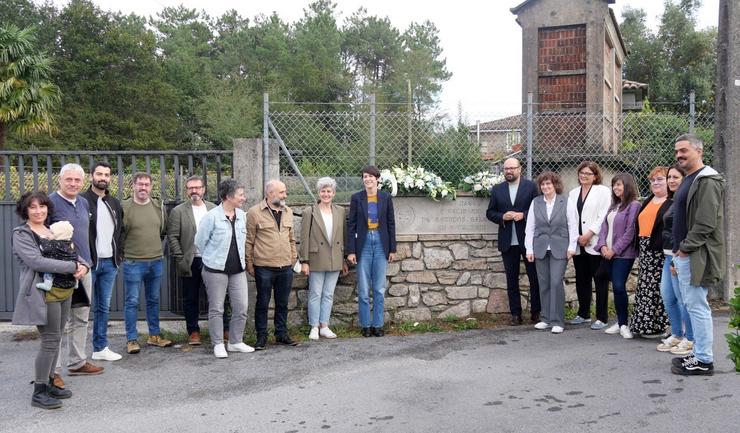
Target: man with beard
{"type": "Point", "coordinates": [106, 249]}
{"type": "Point", "coordinates": [508, 208]}
{"type": "Point", "coordinates": [182, 226]}
{"type": "Point", "coordinates": [271, 253]}
{"type": "Point", "coordinates": [699, 249]}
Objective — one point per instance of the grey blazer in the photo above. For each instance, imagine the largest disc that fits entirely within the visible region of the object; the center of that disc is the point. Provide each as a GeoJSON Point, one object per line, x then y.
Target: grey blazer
{"type": "Point", "coordinates": [181, 231]}
{"type": "Point", "coordinates": [30, 305]}
{"type": "Point", "coordinates": [553, 231]}
{"type": "Point", "coordinates": [320, 254]}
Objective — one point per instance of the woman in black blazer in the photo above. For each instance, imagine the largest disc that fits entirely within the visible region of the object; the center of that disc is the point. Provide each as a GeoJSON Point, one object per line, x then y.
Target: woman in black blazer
{"type": "Point", "coordinates": [371, 244]}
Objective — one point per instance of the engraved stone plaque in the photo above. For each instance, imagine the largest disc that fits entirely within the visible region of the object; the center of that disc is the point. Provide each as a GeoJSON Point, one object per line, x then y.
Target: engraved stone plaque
{"type": "Point", "coordinates": [420, 215]}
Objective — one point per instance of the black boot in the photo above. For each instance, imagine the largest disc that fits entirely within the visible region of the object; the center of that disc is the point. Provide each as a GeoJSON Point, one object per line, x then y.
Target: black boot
{"type": "Point", "coordinates": [42, 399]}
{"type": "Point", "coordinates": [56, 392]}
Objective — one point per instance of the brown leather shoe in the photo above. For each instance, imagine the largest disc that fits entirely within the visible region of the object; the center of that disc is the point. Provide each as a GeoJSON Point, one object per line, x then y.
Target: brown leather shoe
{"type": "Point", "coordinates": [226, 335]}
{"type": "Point", "coordinates": [156, 340]}
{"type": "Point", "coordinates": [535, 317]}
{"type": "Point", "coordinates": [194, 339]}
{"type": "Point", "coordinates": [87, 369]}
{"type": "Point", "coordinates": [57, 381]}
{"type": "Point", "coordinates": [516, 320]}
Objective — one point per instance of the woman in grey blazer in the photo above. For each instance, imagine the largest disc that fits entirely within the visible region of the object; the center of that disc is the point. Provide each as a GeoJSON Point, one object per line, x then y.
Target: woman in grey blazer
{"type": "Point", "coordinates": [322, 255]}
{"type": "Point", "coordinates": [550, 238]}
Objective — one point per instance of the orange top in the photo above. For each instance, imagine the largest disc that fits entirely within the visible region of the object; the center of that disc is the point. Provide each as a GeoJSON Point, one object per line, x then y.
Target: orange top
{"type": "Point", "coordinates": [647, 218]}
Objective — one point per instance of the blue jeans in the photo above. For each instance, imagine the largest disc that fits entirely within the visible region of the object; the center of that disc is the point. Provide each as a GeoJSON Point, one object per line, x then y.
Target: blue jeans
{"type": "Point", "coordinates": [321, 287]}
{"type": "Point", "coordinates": [619, 271]}
{"type": "Point", "coordinates": [673, 301]}
{"type": "Point", "coordinates": [103, 280]}
{"type": "Point", "coordinates": [136, 272]}
{"type": "Point", "coordinates": [700, 314]}
{"type": "Point", "coordinates": [371, 266]}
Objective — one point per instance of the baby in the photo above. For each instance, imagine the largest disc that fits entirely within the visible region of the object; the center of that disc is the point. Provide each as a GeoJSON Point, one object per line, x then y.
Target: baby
{"type": "Point", "coordinates": [59, 247]}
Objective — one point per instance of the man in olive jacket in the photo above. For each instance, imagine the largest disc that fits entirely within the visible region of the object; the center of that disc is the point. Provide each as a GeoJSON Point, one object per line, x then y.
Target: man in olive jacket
{"type": "Point", "coordinates": [182, 225]}
{"type": "Point", "coordinates": [699, 247]}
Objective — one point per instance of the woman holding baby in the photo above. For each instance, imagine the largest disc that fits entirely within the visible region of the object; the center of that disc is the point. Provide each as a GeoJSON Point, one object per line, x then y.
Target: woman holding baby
{"type": "Point", "coordinates": [47, 308]}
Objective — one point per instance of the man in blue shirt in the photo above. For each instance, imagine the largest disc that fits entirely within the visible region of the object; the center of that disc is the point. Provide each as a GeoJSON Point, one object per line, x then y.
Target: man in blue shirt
{"type": "Point", "coordinates": [69, 206]}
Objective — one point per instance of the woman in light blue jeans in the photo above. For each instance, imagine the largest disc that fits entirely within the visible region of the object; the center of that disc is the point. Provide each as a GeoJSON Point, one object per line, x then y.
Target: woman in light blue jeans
{"type": "Point", "coordinates": [681, 340]}
{"type": "Point", "coordinates": [322, 256]}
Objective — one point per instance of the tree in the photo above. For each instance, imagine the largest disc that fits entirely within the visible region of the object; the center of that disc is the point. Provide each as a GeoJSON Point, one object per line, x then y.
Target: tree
{"type": "Point", "coordinates": [676, 60]}
{"type": "Point", "coordinates": [27, 96]}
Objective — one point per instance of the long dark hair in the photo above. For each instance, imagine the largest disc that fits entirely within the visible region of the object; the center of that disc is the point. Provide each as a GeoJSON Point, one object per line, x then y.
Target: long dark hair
{"type": "Point", "coordinates": [681, 171]}
{"type": "Point", "coordinates": [630, 191]}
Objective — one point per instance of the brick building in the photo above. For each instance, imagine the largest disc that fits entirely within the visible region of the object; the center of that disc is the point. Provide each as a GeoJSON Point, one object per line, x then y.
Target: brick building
{"type": "Point", "coordinates": [572, 57]}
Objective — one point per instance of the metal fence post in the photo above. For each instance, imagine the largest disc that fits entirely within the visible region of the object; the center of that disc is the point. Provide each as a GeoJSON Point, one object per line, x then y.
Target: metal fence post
{"type": "Point", "coordinates": [371, 159]}
{"type": "Point", "coordinates": [265, 138]}
{"type": "Point", "coordinates": [410, 120]}
{"type": "Point", "coordinates": [692, 111]}
{"type": "Point", "coordinates": [530, 134]}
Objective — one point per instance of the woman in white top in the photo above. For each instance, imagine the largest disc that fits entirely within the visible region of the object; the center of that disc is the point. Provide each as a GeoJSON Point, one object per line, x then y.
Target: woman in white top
{"type": "Point", "coordinates": [589, 203]}
{"type": "Point", "coordinates": [550, 240]}
{"type": "Point", "coordinates": [322, 256]}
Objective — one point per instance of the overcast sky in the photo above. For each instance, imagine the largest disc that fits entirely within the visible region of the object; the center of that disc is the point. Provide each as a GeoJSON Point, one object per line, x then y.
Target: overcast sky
{"type": "Point", "coordinates": [480, 38]}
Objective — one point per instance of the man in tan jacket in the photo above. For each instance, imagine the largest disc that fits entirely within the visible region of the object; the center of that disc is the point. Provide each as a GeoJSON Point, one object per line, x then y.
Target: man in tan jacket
{"type": "Point", "coordinates": [271, 253]}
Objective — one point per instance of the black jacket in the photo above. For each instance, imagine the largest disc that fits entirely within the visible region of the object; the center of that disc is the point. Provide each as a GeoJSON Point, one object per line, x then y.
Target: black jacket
{"type": "Point", "coordinates": [114, 207]}
{"type": "Point", "coordinates": [501, 203]}
{"type": "Point", "coordinates": [668, 227]}
{"type": "Point", "coordinates": [656, 235]}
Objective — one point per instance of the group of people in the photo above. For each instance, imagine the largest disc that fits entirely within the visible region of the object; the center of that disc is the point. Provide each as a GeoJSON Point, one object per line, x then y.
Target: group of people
{"type": "Point", "coordinates": [676, 234]}
{"type": "Point", "coordinates": [213, 246]}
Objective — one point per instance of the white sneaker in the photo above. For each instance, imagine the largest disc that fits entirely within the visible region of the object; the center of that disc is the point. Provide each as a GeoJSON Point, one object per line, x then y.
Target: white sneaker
{"type": "Point", "coordinates": [614, 329]}
{"type": "Point", "coordinates": [668, 344]}
{"type": "Point", "coordinates": [327, 333]}
{"type": "Point", "coordinates": [106, 355]}
{"type": "Point", "coordinates": [541, 326]}
{"type": "Point", "coordinates": [598, 324]}
{"type": "Point", "coordinates": [220, 351]}
{"type": "Point", "coordinates": [625, 332]}
{"type": "Point", "coordinates": [683, 348]}
{"type": "Point", "coordinates": [557, 329]}
{"type": "Point", "coordinates": [240, 347]}
{"type": "Point", "coordinates": [314, 334]}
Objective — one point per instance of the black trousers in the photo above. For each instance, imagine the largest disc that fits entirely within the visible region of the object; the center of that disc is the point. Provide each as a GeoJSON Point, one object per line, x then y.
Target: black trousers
{"type": "Point", "coordinates": [191, 288]}
{"type": "Point", "coordinates": [512, 263]}
{"type": "Point", "coordinates": [586, 266]}
{"type": "Point", "coordinates": [267, 279]}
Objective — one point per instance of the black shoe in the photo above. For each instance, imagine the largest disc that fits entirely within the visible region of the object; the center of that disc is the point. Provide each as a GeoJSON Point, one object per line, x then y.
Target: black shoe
{"type": "Point", "coordinates": [535, 318]}
{"type": "Point", "coordinates": [366, 332]}
{"type": "Point", "coordinates": [60, 393]}
{"type": "Point", "coordinates": [678, 361]}
{"type": "Point", "coordinates": [285, 339]}
{"type": "Point", "coordinates": [42, 399]}
{"type": "Point", "coordinates": [516, 320]}
{"type": "Point", "coordinates": [693, 367]}
{"type": "Point", "coordinates": [378, 332]}
{"type": "Point", "coordinates": [261, 343]}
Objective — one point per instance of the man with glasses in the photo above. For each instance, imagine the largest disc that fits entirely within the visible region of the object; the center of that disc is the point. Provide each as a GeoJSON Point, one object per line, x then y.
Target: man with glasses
{"type": "Point", "coordinates": [182, 225]}
{"type": "Point", "coordinates": [508, 208]}
{"type": "Point", "coordinates": [144, 227]}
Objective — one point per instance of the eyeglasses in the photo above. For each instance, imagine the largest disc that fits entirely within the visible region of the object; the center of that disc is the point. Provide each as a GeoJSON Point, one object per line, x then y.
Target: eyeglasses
{"type": "Point", "coordinates": [195, 187]}
{"type": "Point", "coordinates": [585, 173]}
{"type": "Point", "coordinates": [143, 184]}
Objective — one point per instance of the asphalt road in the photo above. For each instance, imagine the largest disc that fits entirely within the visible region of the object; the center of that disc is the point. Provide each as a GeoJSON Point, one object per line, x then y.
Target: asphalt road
{"type": "Point", "coordinates": [506, 380]}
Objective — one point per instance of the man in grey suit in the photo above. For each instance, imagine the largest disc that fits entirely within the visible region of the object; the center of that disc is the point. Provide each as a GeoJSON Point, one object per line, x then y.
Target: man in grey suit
{"type": "Point", "coordinates": [182, 225]}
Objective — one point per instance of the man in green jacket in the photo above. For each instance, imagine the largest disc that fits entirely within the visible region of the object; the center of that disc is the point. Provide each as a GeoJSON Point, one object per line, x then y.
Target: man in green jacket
{"type": "Point", "coordinates": [182, 225]}
{"type": "Point", "coordinates": [699, 248]}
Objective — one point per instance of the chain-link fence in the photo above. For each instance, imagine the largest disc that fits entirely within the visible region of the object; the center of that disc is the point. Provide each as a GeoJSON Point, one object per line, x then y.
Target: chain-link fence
{"type": "Point", "coordinates": [338, 142]}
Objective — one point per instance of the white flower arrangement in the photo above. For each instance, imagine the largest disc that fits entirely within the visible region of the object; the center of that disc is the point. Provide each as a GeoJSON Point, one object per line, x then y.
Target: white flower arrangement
{"type": "Point", "coordinates": [480, 184]}
{"type": "Point", "coordinates": [415, 180]}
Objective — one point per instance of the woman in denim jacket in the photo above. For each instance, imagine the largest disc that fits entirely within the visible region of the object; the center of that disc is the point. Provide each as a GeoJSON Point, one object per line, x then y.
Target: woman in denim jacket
{"type": "Point", "coordinates": [617, 245]}
{"type": "Point", "coordinates": [221, 239]}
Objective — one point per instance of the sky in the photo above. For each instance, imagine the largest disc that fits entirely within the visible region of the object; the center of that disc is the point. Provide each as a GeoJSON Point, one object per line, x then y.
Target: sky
{"type": "Point", "coordinates": [481, 40]}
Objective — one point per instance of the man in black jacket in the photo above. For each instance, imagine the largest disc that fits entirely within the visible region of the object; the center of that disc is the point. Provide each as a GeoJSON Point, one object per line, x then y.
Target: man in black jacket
{"type": "Point", "coordinates": [106, 247]}
{"type": "Point", "coordinates": [508, 208]}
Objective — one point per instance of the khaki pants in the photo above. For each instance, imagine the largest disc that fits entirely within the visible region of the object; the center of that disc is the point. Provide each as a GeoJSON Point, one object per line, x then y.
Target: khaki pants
{"type": "Point", "coordinates": [75, 333]}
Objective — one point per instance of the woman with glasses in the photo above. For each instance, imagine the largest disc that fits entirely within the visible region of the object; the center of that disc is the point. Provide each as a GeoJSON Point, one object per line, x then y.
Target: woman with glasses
{"type": "Point", "coordinates": [590, 202]}
{"type": "Point", "coordinates": [648, 316]}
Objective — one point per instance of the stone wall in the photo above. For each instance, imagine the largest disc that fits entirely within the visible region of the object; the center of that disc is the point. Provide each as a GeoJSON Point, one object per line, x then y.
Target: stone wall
{"type": "Point", "coordinates": [434, 276]}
